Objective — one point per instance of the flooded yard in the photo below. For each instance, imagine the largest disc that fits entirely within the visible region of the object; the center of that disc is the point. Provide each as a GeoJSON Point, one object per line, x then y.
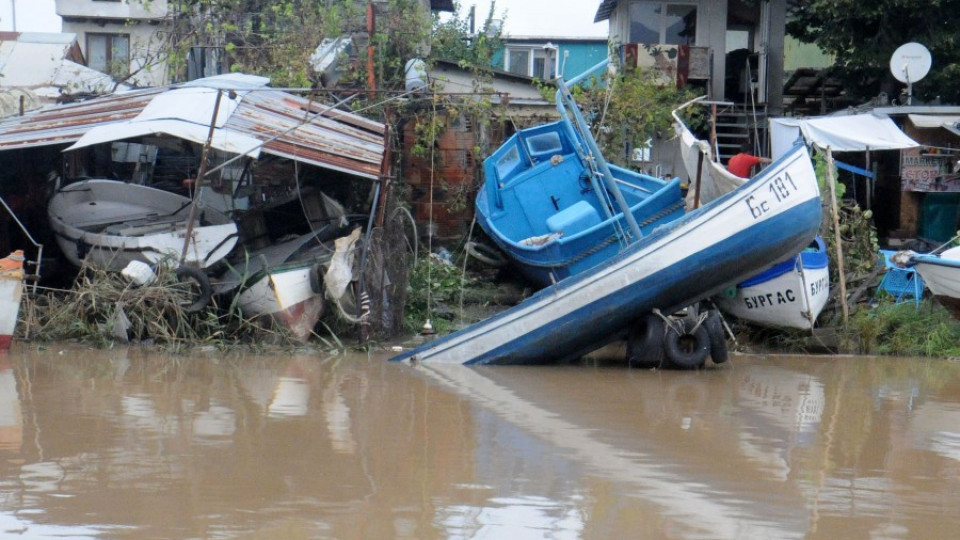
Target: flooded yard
{"type": "Point", "coordinates": [132, 444]}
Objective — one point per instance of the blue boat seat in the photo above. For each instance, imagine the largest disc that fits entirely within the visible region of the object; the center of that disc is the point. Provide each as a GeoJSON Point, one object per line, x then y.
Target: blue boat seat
{"type": "Point", "coordinates": [577, 217]}
{"type": "Point", "coordinates": [901, 283]}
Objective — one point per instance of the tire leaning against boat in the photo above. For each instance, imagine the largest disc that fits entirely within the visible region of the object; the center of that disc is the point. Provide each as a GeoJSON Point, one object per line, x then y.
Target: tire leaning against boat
{"type": "Point", "coordinates": [687, 348]}
{"type": "Point", "coordinates": [485, 254]}
{"type": "Point", "coordinates": [204, 290]}
{"type": "Point", "coordinates": [718, 338]}
{"type": "Point", "coordinates": [645, 345]}
{"type": "Point", "coordinates": [316, 278]}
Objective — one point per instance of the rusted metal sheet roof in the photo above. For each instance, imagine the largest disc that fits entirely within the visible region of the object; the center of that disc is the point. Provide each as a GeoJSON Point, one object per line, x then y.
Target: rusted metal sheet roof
{"type": "Point", "coordinates": [323, 137]}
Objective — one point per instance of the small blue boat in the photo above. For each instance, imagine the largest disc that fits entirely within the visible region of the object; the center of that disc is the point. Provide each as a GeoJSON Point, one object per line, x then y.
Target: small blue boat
{"type": "Point", "coordinates": [551, 202]}
{"type": "Point", "coordinates": [768, 219]}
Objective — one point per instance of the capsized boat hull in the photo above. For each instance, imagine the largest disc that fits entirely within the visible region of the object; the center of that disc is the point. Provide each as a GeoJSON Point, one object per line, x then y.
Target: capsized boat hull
{"type": "Point", "coordinates": [767, 220]}
{"type": "Point", "coordinates": [110, 223]}
{"type": "Point", "coordinates": [790, 295]}
{"type": "Point", "coordinates": [286, 296]}
{"type": "Point", "coordinates": [941, 274]}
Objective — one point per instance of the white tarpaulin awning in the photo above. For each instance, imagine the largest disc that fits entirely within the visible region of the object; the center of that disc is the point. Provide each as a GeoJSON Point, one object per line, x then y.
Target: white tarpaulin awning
{"type": "Point", "coordinates": [223, 139]}
{"type": "Point", "coordinates": [851, 133]}
{"type": "Point", "coordinates": [933, 120]}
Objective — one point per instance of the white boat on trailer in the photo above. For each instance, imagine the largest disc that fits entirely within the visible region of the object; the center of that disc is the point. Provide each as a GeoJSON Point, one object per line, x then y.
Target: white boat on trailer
{"type": "Point", "coordinates": [767, 220]}
{"type": "Point", "coordinates": [110, 223]}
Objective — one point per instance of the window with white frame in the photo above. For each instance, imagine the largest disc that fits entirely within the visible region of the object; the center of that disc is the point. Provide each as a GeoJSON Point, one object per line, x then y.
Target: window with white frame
{"type": "Point", "coordinates": [532, 61]}
{"type": "Point", "coordinates": [109, 53]}
{"type": "Point", "coordinates": [669, 23]}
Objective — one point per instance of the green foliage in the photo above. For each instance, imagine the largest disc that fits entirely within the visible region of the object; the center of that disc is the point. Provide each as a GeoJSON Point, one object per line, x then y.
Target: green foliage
{"type": "Point", "coordinates": [276, 38]}
{"type": "Point", "coordinates": [863, 35]}
{"type": "Point", "coordinates": [451, 40]}
{"type": "Point", "coordinates": [434, 286]}
{"type": "Point", "coordinates": [627, 109]}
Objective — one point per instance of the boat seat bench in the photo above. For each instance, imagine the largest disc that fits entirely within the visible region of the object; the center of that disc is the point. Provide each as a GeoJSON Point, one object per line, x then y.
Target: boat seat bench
{"type": "Point", "coordinates": [577, 217]}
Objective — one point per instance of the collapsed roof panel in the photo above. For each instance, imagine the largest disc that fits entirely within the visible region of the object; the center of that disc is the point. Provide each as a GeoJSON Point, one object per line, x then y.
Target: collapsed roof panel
{"type": "Point", "coordinates": [286, 125]}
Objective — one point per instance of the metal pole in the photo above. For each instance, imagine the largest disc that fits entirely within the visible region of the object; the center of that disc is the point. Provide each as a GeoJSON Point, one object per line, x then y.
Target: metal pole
{"type": "Point", "coordinates": [201, 172]}
{"type": "Point", "coordinates": [563, 96]}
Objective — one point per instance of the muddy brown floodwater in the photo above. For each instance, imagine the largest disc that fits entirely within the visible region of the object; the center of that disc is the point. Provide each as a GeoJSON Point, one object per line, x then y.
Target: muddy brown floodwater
{"type": "Point", "coordinates": [134, 444]}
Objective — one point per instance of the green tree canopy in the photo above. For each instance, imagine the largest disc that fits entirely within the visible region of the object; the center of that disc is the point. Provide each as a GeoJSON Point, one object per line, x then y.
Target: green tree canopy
{"type": "Point", "coordinates": [863, 36]}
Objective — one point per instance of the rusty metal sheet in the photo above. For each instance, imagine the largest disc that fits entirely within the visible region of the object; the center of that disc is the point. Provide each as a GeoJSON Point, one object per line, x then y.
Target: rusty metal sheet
{"type": "Point", "coordinates": [289, 126]}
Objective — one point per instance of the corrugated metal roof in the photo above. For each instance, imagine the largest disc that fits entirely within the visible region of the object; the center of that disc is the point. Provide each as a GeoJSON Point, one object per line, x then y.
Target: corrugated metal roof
{"type": "Point", "coordinates": [33, 59]}
{"type": "Point", "coordinates": [335, 140]}
{"type": "Point", "coordinates": [603, 12]}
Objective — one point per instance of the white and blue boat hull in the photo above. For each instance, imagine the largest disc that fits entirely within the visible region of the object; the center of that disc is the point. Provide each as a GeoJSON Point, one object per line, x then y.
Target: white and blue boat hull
{"type": "Point", "coordinates": [767, 220]}
{"type": "Point", "coordinates": [789, 295]}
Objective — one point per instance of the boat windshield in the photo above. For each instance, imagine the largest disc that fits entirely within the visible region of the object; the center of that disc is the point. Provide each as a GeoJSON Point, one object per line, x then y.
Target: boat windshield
{"type": "Point", "coordinates": [545, 143]}
{"type": "Point", "coordinates": [508, 162]}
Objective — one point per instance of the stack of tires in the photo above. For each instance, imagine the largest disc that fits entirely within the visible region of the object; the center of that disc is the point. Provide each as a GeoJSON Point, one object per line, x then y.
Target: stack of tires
{"type": "Point", "coordinates": [678, 342]}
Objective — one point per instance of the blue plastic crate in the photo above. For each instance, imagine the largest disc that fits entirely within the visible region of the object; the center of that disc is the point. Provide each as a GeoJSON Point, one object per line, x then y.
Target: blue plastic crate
{"type": "Point", "coordinates": [901, 283]}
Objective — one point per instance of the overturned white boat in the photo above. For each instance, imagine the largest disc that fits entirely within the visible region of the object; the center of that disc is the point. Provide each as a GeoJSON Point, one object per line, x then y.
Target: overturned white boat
{"type": "Point", "coordinates": [287, 282]}
{"type": "Point", "coordinates": [109, 223]}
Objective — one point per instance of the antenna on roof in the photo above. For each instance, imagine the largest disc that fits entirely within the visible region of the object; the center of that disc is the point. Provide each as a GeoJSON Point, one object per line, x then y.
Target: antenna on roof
{"type": "Point", "coordinates": [910, 63]}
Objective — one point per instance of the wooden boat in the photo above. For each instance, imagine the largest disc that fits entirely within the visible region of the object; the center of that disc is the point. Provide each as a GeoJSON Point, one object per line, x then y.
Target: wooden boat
{"type": "Point", "coordinates": [11, 293]}
{"type": "Point", "coordinates": [551, 202]}
{"type": "Point", "coordinates": [768, 219]}
{"type": "Point", "coordinates": [941, 274]}
{"type": "Point", "coordinates": [791, 294]}
{"type": "Point", "coordinates": [110, 223]}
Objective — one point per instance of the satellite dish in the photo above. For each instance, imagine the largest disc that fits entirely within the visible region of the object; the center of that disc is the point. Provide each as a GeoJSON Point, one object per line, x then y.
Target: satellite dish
{"type": "Point", "coordinates": [910, 63]}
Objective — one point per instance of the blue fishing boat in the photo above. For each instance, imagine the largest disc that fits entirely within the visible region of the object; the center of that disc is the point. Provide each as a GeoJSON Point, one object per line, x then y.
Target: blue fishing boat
{"type": "Point", "coordinates": [767, 220]}
{"type": "Point", "coordinates": [554, 205]}
{"type": "Point", "coordinates": [790, 294]}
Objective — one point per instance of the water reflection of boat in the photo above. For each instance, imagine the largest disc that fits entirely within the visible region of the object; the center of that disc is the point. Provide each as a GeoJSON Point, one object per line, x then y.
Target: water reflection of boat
{"type": "Point", "coordinates": [682, 495]}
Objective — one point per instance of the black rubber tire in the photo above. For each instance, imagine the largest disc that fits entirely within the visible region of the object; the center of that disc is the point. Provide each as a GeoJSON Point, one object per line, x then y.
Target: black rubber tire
{"type": "Point", "coordinates": [718, 338]}
{"type": "Point", "coordinates": [485, 254]}
{"type": "Point", "coordinates": [645, 344]}
{"type": "Point", "coordinates": [316, 278]}
{"type": "Point", "coordinates": [687, 349]}
{"type": "Point", "coordinates": [204, 290]}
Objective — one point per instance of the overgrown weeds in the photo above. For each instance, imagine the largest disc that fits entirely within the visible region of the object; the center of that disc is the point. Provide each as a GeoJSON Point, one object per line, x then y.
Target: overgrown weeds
{"type": "Point", "coordinates": [437, 290]}
{"type": "Point", "coordinates": [903, 329]}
